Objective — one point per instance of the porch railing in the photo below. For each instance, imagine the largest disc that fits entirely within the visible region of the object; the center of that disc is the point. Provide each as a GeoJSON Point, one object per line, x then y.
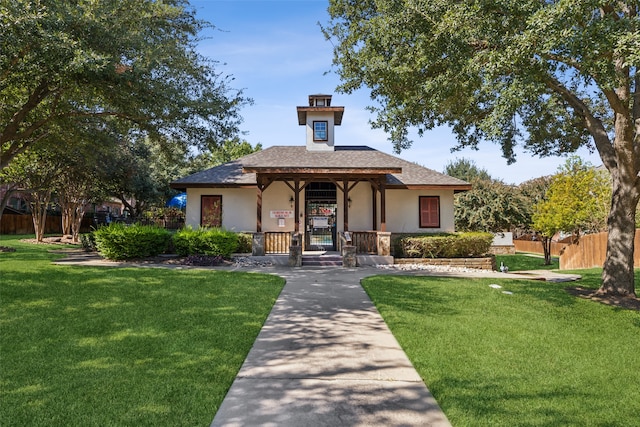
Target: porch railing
{"type": "Point", "coordinates": [277, 242]}
{"type": "Point", "coordinates": [366, 242]}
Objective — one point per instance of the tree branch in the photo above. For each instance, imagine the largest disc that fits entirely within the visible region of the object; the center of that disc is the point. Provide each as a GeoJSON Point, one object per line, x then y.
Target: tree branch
{"type": "Point", "coordinates": [36, 97]}
{"type": "Point", "coordinates": [594, 125]}
{"type": "Point", "coordinates": [15, 149]}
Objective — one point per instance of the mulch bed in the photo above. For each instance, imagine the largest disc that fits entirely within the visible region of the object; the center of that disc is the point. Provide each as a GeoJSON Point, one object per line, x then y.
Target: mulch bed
{"type": "Point", "coordinates": [628, 303]}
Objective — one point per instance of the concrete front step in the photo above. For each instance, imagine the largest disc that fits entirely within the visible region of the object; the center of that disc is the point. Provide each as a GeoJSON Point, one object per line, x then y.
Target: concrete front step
{"type": "Point", "coordinates": [322, 260]}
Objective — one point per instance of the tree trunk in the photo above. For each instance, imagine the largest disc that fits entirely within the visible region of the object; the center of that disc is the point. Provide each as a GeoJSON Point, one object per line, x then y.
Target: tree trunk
{"type": "Point", "coordinates": [76, 222]}
{"type": "Point", "coordinates": [618, 273]}
{"type": "Point", "coordinates": [39, 212]}
{"type": "Point", "coordinates": [546, 249]}
{"type": "Point", "coordinates": [66, 216]}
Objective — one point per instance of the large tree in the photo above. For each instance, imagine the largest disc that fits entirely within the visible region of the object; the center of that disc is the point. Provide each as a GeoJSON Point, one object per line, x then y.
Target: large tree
{"type": "Point", "coordinates": [134, 61]}
{"type": "Point", "coordinates": [491, 205]}
{"type": "Point", "coordinates": [549, 75]}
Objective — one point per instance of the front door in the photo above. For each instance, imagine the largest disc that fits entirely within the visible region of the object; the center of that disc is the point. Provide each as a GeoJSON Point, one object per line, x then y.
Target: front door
{"type": "Point", "coordinates": [320, 216]}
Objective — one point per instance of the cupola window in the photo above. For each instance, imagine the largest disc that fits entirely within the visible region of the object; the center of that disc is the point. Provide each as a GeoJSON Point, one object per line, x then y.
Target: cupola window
{"type": "Point", "coordinates": [320, 131]}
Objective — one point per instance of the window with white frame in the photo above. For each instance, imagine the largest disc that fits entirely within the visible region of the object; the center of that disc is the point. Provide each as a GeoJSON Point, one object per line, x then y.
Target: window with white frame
{"type": "Point", "coordinates": [320, 131]}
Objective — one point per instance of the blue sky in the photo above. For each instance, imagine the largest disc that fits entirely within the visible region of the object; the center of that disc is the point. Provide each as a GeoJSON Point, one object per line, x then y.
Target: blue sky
{"type": "Point", "coordinates": [278, 55]}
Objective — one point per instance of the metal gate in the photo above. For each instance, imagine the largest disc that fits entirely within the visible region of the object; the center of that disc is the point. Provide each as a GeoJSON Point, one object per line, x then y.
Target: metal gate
{"type": "Point", "coordinates": [321, 226]}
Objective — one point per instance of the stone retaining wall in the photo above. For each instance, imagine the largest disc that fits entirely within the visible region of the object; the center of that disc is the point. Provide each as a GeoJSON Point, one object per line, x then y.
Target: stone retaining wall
{"type": "Point", "coordinates": [488, 263]}
{"type": "Point", "coordinates": [503, 250]}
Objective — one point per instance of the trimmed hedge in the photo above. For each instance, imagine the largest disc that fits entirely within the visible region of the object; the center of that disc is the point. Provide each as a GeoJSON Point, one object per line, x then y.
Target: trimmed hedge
{"type": "Point", "coordinates": [459, 245]}
{"type": "Point", "coordinates": [205, 241]}
{"type": "Point", "coordinates": [119, 241]}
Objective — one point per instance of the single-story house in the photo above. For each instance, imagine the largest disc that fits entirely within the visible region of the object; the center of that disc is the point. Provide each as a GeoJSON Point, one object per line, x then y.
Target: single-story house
{"type": "Point", "coordinates": [320, 190]}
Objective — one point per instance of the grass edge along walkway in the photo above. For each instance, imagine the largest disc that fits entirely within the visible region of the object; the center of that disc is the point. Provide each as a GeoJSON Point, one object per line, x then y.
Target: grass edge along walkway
{"type": "Point", "coordinates": [535, 355]}
{"type": "Point", "coordinates": [126, 346]}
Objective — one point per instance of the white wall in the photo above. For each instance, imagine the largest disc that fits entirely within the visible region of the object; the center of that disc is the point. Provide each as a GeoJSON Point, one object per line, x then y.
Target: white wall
{"type": "Point", "coordinates": [320, 145]}
{"type": "Point", "coordinates": [276, 198]}
{"type": "Point", "coordinates": [402, 208]}
{"type": "Point", "coordinates": [360, 212]}
{"type": "Point", "coordinates": [238, 207]}
{"type": "Point", "coordinates": [403, 211]}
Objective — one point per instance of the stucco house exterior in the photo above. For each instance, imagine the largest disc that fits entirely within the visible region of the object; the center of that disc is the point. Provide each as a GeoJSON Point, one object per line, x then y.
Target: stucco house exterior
{"type": "Point", "coordinates": [320, 190]}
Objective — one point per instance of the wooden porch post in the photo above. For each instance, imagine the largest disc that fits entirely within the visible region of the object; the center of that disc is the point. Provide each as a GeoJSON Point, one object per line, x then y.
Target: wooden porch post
{"type": "Point", "coordinates": [296, 210]}
{"type": "Point", "coordinates": [383, 208]}
{"type": "Point", "coordinates": [345, 202]}
{"type": "Point", "coordinates": [259, 209]}
{"type": "Point", "coordinates": [374, 199]}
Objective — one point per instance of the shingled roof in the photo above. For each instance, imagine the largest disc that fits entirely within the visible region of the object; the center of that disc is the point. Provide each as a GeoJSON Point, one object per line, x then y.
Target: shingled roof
{"type": "Point", "coordinates": [240, 172]}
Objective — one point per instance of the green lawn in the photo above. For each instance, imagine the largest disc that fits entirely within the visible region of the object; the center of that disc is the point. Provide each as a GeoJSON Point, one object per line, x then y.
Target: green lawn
{"type": "Point", "coordinates": [521, 262]}
{"type": "Point", "coordinates": [82, 346]}
{"type": "Point", "coordinates": [537, 357]}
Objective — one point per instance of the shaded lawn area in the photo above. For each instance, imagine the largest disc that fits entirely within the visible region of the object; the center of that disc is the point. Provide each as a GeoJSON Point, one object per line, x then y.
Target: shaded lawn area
{"type": "Point", "coordinates": [83, 346]}
{"type": "Point", "coordinates": [538, 357]}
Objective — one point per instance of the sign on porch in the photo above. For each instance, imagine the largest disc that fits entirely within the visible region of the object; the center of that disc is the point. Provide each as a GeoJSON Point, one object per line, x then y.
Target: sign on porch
{"type": "Point", "coordinates": [281, 214]}
{"type": "Point", "coordinates": [321, 222]}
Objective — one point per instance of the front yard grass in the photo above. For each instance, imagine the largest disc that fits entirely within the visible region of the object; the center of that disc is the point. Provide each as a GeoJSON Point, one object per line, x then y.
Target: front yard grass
{"type": "Point", "coordinates": [536, 357]}
{"type": "Point", "coordinates": [82, 346]}
{"type": "Point", "coordinates": [522, 262]}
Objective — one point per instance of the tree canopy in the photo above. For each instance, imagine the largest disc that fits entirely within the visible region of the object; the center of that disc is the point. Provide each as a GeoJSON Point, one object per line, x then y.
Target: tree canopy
{"type": "Point", "coordinates": [134, 61]}
{"type": "Point", "coordinates": [550, 76]}
{"type": "Point", "coordinates": [491, 205]}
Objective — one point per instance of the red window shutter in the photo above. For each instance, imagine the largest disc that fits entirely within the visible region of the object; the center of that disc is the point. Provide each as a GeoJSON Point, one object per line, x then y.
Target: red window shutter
{"type": "Point", "coordinates": [429, 212]}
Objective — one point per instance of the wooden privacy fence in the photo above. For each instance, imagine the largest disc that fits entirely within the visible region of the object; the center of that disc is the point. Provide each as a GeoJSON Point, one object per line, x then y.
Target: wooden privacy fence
{"type": "Point", "coordinates": [277, 242]}
{"type": "Point", "coordinates": [591, 250]}
{"type": "Point", "coordinates": [535, 247]}
{"type": "Point", "coordinates": [23, 224]}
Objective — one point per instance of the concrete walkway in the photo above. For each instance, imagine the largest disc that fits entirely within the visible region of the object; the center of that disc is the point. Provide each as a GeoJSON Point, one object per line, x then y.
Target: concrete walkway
{"type": "Point", "coordinates": [325, 357]}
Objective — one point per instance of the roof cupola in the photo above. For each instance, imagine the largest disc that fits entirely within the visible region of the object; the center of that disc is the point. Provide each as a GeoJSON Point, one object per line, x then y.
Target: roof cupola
{"type": "Point", "coordinates": [320, 118]}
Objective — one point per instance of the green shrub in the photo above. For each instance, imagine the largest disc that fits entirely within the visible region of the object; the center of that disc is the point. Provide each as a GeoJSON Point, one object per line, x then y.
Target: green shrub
{"type": "Point", "coordinates": [245, 241]}
{"type": "Point", "coordinates": [118, 241]}
{"type": "Point", "coordinates": [205, 241]}
{"type": "Point", "coordinates": [459, 245]}
{"type": "Point", "coordinates": [88, 242]}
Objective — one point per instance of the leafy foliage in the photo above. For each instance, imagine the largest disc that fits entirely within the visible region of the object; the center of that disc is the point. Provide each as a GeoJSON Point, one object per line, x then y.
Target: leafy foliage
{"type": "Point", "coordinates": [549, 76]}
{"type": "Point", "coordinates": [490, 205]}
{"type": "Point", "coordinates": [119, 242]}
{"type": "Point", "coordinates": [466, 170]}
{"type": "Point", "coordinates": [576, 201]}
{"type": "Point", "coordinates": [205, 241]}
{"type": "Point", "coordinates": [460, 245]}
{"type": "Point", "coordinates": [130, 61]}
{"type": "Point", "coordinates": [88, 242]}
{"type": "Point", "coordinates": [245, 243]}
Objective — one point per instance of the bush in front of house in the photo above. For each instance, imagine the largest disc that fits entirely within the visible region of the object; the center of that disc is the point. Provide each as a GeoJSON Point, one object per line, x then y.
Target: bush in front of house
{"type": "Point", "coordinates": [119, 241]}
{"type": "Point", "coordinates": [88, 242]}
{"type": "Point", "coordinates": [245, 242]}
{"type": "Point", "coordinates": [458, 245]}
{"type": "Point", "coordinates": [205, 241]}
